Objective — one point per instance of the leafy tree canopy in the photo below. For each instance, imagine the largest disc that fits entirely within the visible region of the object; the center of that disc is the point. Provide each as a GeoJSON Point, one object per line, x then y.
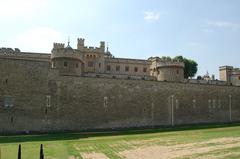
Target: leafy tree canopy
{"type": "Point", "coordinates": [191, 67]}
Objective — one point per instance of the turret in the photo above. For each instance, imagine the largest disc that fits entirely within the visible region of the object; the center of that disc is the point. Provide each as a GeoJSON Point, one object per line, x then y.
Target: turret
{"type": "Point", "coordinates": [80, 43]}
{"type": "Point", "coordinates": [102, 46]}
{"type": "Point", "coordinates": [167, 70]}
{"type": "Point", "coordinates": [58, 45]}
{"type": "Point", "coordinates": [67, 60]}
{"type": "Point", "coordinates": [225, 72]}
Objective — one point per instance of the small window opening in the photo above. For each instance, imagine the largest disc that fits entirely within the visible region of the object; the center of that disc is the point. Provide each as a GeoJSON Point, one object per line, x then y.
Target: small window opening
{"type": "Point", "coordinates": [46, 111]}
{"type": "Point", "coordinates": [144, 69]}
{"type": "Point", "coordinates": [48, 104]}
{"type": "Point", "coordinates": [53, 65]}
{"type": "Point", "coordinates": [108, 68]}
{"type": "Point", "coordinates": [127, 68]}
{"type": "Point", "coordinates": [65, 64]}
{"type": "Point", "coordinates": [8, 102]}
{"type": "Point", "coordinates": [117, 68]}
{"type": "Point", "coordinates": [135, 69]}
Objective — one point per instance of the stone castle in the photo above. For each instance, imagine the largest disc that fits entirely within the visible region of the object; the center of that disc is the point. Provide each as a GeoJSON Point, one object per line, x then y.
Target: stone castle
{"type": "Point", "coordinates": [88, 88]}
{"type": "Point", "coordinates": [97, 61]}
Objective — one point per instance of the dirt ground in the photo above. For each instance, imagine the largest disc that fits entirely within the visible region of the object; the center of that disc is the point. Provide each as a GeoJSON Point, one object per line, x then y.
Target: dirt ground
{"type": "Point", "coordinates": [183, 150]}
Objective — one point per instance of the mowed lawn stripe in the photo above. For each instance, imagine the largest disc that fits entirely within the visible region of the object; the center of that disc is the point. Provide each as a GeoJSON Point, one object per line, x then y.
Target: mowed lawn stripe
{"type": "Point", "coordinates": [63, 146]}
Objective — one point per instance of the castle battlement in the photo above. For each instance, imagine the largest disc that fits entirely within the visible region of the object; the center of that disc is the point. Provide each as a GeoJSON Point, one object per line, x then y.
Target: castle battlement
{"type": "Point", "coordinates": [58, 45]}
{"type": "Point", "coordinates": [78, 90]}
{"type": "Point", "coordinates": [25, 56]}
{"type": "Point", "coordinates": [81, 46]}
{"type": "Point", "coordinates": [9, 50]}
{"type": "Point", "coordinates": [230, 74]}
{"type": "Point", "coordinates": [169, 64]}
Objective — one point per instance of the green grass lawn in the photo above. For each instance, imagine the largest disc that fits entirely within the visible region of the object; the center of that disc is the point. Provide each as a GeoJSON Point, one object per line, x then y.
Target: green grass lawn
{"type": "Point", "coordinates": [221, 141]}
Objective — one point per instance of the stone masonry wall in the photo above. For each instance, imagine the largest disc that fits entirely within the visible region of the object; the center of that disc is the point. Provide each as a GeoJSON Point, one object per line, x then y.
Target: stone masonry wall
{"type": "Point", "coordinates": [45, 101]}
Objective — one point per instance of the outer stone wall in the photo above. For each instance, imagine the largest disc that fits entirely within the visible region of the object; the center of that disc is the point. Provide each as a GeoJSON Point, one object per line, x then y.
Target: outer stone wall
{"type": "Point", "coordinates": [45, 101]}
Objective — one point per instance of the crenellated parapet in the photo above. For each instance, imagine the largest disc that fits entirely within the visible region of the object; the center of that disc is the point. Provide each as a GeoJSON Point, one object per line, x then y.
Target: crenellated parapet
{"type": "Point", "coordinates": [9, 50]}
{"type": "Point", "coordinates": [60, 51]}
{"type": "Point", "coordinates": [81, 46]}
{"type": "Point", "coordinates": [167, 70]}
{"type": "Point", "coordinates": [58, 46]}
{"type": "Point", "coordinates": [230, 74]}
{"type": "Point", "coordinates": [170, 64]}
{"type": "Point", "coordinates": [158, 62]}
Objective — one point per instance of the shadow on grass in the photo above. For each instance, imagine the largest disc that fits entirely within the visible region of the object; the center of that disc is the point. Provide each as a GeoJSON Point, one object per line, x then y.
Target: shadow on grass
{"type": "Point", "coordinates": [113, 132]}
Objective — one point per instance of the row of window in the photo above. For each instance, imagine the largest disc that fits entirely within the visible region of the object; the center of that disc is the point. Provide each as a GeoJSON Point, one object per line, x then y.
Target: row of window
{"type": "Point", "coordinates": [92, 56]}
{"type": "Point", "coordinates": [91, 64]}
{"type": "Point", "coordinates": [126, 68]}
{"type": "Point", "coordinates": [65, 64]}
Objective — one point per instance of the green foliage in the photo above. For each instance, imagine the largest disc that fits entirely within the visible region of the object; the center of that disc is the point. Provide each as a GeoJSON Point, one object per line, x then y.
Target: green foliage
{"type": "Point", "coordinates": [191, 66]}
{"type": "Point", "coordinates": [166, 58]}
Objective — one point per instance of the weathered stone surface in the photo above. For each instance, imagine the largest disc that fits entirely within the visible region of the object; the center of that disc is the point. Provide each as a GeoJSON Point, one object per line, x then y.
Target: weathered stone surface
{"type": "Point", "coordinates": [46, 101]}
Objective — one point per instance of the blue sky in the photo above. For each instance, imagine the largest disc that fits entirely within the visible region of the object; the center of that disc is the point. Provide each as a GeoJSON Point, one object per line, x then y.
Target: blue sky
{"type": "Point", "coordinates": [207, 31]}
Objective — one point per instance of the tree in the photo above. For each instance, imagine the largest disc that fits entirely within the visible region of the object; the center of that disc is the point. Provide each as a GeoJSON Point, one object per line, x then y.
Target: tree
{"type": "Point", "coordinates": [191, 66]}
{"type": "Point", "coordinates": [166, 58]}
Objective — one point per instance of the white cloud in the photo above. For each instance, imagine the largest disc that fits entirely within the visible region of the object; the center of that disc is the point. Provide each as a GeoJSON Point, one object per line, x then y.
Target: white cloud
{"type": "Point", "coordinates": [37, 39]}
{"type": "Point", "coordinates": [21, 8]}
{"type": "Point", "coordinates": [225, 24]}
{"type": "Point", "coordinates": [151, 15]}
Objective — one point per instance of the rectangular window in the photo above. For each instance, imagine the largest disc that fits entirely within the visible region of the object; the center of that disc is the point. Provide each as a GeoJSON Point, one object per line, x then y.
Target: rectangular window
{"type": "Point", "coordinates": [76, 65]}
{"type": "Point", "coordinates": [90, 63]}
{"type": "Point", "coordinates": [108, 68]}
{"type": "Point", "coordinates": [65, 64]}
{"type": "Point", "coordinates": [8, 102]}
{"type": "Point", "coordinates": [53, 65]}
{"type": "Point", "coordinates": [99, 65]}
{"type": "Point", "coordinates": [48, 103]}
{"type": "Point", "coordinates": [126, 68]}
{"type": "Point", "coordinates": [239, 78]}
{"type": "Point", "coordinates": [135, 69]}
{"type": "Point", "coordinates": [117, 68]}
{"type": "Point", "coordinates": [144, 69]}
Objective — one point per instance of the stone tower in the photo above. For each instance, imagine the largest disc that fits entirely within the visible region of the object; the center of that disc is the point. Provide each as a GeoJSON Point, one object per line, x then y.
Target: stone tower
{"type": "Point", "coordinates": [230, 74]}
{"type": "Point", "coordinates": [224, 73]}
{"type": "Point", "coordinates": [165, 70]}
{"type": "Point", "coordinates": [67, 60]}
